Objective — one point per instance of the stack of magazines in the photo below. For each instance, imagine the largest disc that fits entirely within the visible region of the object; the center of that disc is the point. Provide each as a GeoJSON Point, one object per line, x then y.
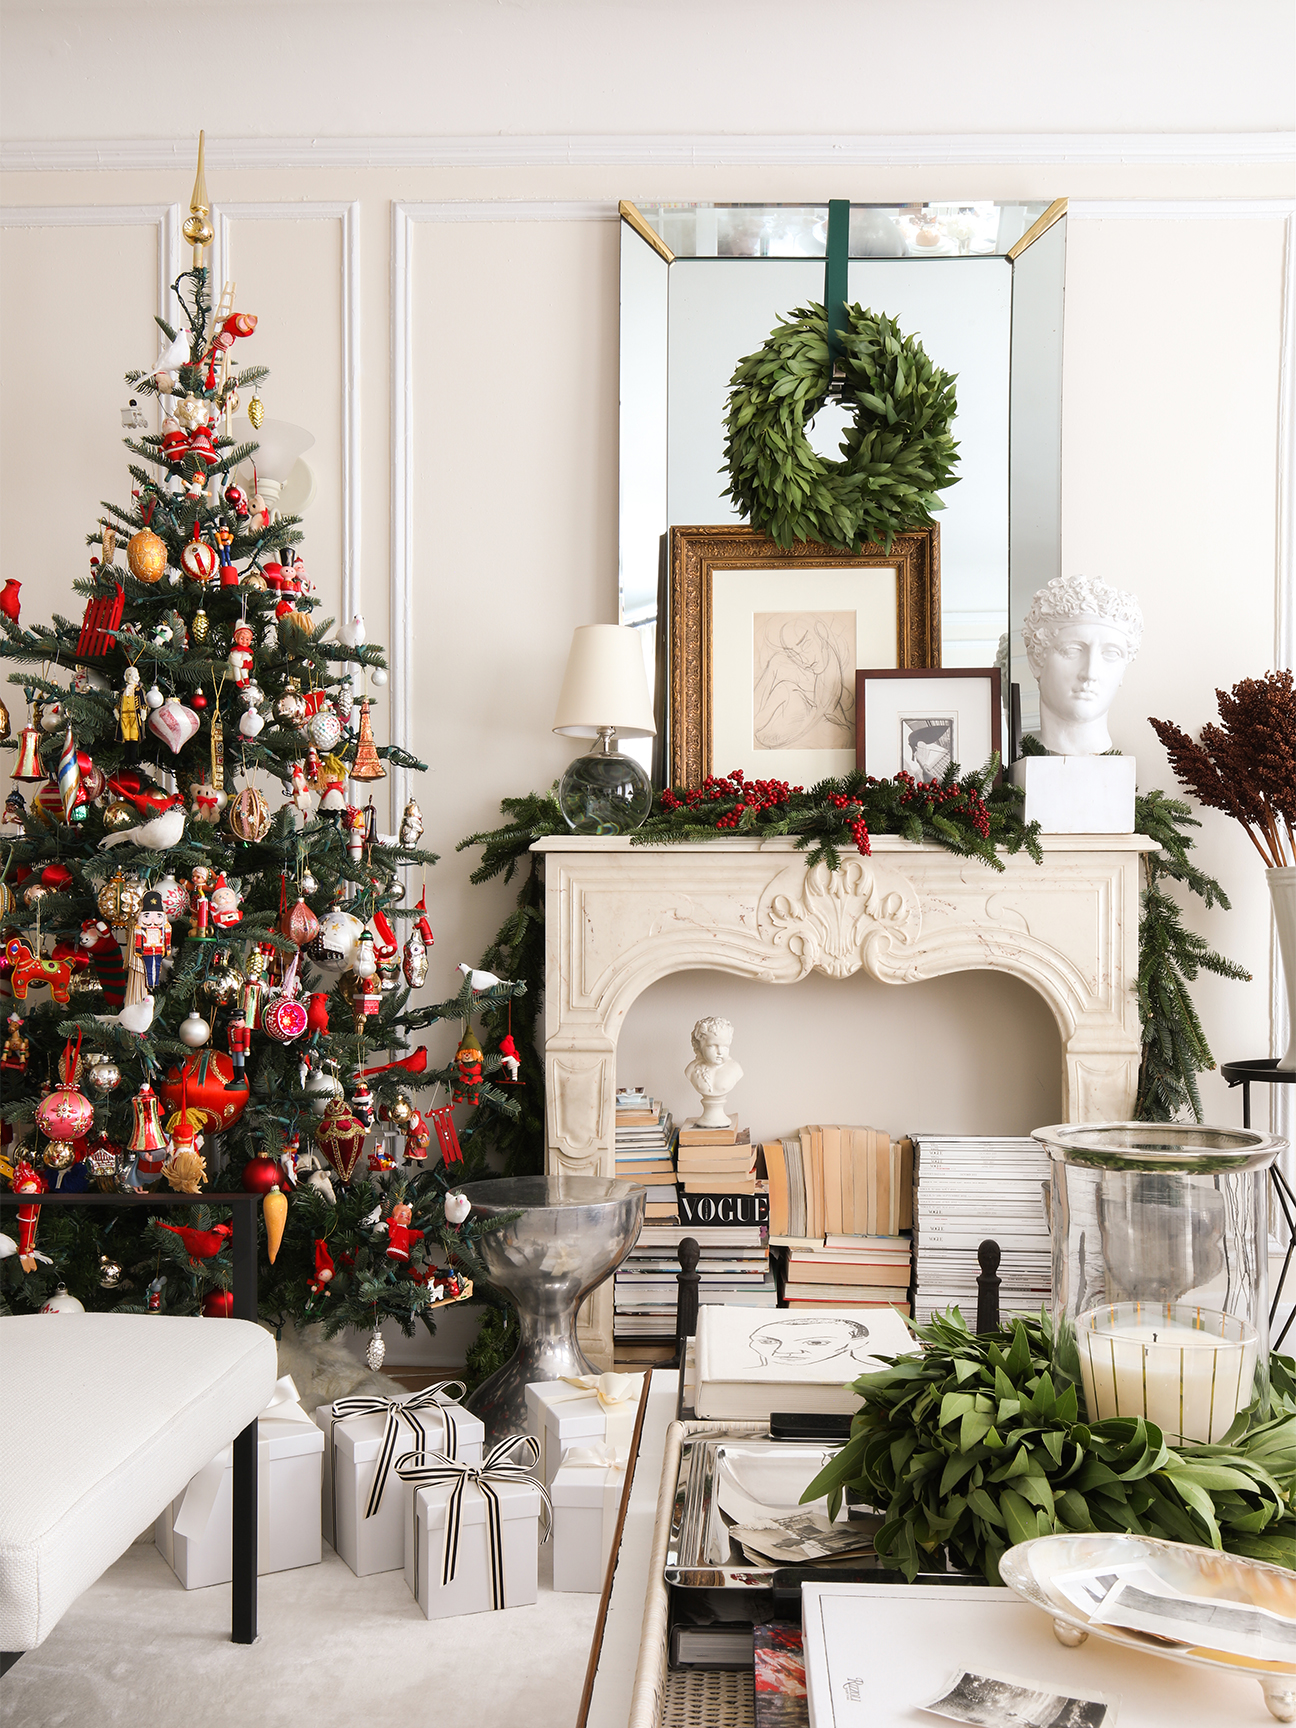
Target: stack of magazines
{"type": "Point", "coordinates": [733, 1268]}
{"type": "Point", "coordinates": [968, 1188]}
{"type": "Point", "coordinates": [645, 1142]}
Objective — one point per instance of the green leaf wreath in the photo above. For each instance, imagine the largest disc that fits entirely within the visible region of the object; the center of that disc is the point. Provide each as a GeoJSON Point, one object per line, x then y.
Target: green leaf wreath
{"type": "Point", "coordinates": [974, 1444]}
{"type": "Point", "coordinates": [898, 454]}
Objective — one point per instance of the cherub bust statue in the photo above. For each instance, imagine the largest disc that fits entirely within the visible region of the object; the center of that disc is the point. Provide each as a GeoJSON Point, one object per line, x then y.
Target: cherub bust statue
{"type": "Point", "coordinates": [1080, 634]}
{"type": "Point", "coordinates": [712, 1074]}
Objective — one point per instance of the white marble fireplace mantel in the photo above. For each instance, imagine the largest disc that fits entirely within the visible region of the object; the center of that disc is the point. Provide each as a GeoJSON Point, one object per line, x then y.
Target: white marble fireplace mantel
{"type": "Point", "coordinates": [618, 917]}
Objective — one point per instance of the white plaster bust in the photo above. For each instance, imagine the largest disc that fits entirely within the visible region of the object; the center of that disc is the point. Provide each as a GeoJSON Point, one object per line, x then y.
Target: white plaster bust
{"type": "Point", "coordinates": [1080, 634]}
{"type": "Point", "coordinates": [712, 1073]}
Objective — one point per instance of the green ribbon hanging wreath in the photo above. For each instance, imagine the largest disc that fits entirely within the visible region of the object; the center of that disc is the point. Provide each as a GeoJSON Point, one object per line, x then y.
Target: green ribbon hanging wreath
{"type": "Point", "coordinates": [898, 454]}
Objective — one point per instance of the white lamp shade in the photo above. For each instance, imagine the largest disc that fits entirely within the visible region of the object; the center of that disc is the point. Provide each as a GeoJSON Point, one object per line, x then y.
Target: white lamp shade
{"type": "Point", "coordinates": [279, 443]}
{"type": "Point", "coordinates": [605, 684]}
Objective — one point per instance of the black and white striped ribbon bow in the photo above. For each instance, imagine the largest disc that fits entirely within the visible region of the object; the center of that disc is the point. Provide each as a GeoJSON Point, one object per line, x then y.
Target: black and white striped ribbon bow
{"type": "Point", "coordinates": [424, 1468]}
{"type": "Point", "coordinates": [396, 1411]}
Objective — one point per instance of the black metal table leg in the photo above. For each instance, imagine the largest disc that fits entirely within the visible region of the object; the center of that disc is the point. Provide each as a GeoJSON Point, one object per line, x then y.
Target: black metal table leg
{"type": "Point", "coordinates": [243, 1627]}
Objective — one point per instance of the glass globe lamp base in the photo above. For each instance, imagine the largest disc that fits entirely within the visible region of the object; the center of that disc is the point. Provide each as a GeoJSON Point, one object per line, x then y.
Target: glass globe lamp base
{"type": "Point", "coordinates": [605, 793]}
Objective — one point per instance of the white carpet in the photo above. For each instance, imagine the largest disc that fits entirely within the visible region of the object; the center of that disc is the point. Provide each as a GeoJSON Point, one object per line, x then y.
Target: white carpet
{"type": "Point", "coordinates": [335, 1651]}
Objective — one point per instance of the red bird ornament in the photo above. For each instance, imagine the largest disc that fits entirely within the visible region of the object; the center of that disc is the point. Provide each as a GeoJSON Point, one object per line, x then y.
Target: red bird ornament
{"type": "Point", "coordinates": [201, 1244]}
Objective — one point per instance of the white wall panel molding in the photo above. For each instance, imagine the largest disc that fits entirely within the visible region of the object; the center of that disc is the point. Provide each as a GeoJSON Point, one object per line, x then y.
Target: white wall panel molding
{"type": "Point", "coordinates": [1180, 209]}
{"type": "Point", "coordinates": [593, 150]}
{"type": "Point", "coordinates": [222, 267]}
{"type": "Point", "coordinates": [404, 219]}
{"type": "Point", "coordinates": [164, 217]}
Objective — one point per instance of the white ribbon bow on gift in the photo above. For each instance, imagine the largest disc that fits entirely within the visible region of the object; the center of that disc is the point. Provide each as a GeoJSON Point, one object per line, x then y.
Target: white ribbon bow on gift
{"type": "Point", "coordinates": [199, 1499]}
{"type": "Point", "coordinates": [596, 1458]}
{"type": "Point", "coordinates": [617, 1395]}
{"type": "Point", "coordinates": [423, 1468]}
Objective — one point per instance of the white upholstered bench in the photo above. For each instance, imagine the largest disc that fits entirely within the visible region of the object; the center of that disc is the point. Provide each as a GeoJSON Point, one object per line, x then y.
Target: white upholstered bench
{"type": "Point", "coordinates": [104, 1419]}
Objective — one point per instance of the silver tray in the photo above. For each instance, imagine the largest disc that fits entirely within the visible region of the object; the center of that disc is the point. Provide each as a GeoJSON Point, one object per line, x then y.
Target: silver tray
{"type": "Point", "coordinates": [754, 1477]}
{"type": "Point", "coordinates": [1030, 1568]}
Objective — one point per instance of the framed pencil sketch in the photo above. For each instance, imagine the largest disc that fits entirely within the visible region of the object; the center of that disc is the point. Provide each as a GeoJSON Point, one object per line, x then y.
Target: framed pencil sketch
{"type": "Point", "coordinates": [766, 645]}
{"type": "Point", "coordinates": [918, 722]}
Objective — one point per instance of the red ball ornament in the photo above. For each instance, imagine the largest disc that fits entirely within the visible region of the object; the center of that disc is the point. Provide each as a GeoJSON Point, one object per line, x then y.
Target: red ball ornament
{"type": "Point", "coordinates": [199, 1085]}
{"type": "Point", "coordinates": [219, 1305]}
{"type": "Point", "coordinates": [261, 1175]}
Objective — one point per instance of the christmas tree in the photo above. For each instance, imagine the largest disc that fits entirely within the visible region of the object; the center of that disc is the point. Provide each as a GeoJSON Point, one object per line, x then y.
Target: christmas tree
{"type": "Point", "coordinates": [200, 917]}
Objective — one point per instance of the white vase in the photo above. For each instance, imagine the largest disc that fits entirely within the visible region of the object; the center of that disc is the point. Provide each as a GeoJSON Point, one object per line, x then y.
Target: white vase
{"type": "Point", "coordinates": [1282, 891]}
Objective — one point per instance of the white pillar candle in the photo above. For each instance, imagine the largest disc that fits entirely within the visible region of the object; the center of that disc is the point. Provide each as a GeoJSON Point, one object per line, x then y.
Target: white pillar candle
{"type": "Point", "coordinates": [1189, 1370]}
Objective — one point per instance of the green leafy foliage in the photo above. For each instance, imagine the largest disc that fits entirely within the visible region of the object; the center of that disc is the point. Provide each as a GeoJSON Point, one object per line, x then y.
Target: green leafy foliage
{"type": "Point", "coordinates": [974, 1444]}
{"type": "Point", "coordinates": [898, 455]}
{"type": "Point", "coordinates": [1175, 1048]}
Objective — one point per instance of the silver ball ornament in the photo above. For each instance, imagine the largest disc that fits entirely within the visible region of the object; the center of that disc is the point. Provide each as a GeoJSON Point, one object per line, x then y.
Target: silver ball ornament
{"type": "Point", "coordinates": [194, 1030]}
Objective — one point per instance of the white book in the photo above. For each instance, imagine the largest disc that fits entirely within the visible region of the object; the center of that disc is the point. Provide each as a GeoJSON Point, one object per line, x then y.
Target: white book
{"type": "Point", "coordinates": [875, 1654]}
{"type": "Point", "coordinates": [790, 1361]}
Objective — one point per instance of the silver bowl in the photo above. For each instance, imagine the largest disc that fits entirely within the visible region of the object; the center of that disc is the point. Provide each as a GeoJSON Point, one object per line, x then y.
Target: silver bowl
{"type": "Point", "coordinates": [573, 1233]}
{"type": "Point", "coordinates": [1030, 1567]}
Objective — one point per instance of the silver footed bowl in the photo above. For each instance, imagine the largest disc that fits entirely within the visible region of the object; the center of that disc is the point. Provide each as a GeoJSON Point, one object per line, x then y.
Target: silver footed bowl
{"type": "Point", "coordinates": [573, 1233]}
{"type": "Point", "coordinates": [1031, 1567]}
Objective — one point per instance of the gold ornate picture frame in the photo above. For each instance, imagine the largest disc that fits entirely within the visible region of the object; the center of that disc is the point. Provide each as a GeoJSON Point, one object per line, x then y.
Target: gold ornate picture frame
{"type": "Point", "coordinates": [765, 643]}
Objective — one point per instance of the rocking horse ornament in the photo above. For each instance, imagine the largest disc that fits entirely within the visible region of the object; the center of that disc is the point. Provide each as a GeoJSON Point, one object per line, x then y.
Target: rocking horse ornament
{"type": "Point", "coordinates": [26, 969]}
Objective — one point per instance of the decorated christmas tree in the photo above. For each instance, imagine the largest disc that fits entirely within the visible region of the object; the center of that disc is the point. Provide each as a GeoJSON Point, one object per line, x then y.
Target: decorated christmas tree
{"type": "Point", "coordinates": [206, 938]}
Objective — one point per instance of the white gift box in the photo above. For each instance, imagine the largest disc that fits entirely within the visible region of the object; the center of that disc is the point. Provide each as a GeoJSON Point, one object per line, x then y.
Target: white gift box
{"type": "Point", "coordinates": [351, 1459]}
{"type": "Point", "coordinates": [195, 1533]}
{"type": "Point", "coordinates": [597, 1409]}
{"type": "Point", "coordinates": [586, 1496]}
{"type": "Point", "coordinates": [516, 1555]}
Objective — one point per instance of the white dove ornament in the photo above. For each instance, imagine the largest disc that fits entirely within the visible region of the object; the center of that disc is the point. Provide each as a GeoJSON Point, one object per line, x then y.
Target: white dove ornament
{"type": "Point", "coordinates": [176, 353]}
{"type": "Point", "coordinates": [479, 980]}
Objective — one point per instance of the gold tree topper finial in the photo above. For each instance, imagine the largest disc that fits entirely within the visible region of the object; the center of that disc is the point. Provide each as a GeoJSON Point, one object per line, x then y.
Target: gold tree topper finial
{"type": "Point", "coordinates": [198, 230]}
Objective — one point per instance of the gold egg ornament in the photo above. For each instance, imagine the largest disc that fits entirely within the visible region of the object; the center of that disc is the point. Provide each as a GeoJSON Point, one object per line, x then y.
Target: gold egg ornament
{"type": "Point", "coordinates": [146, 555]}
{"type": "Point", "coordinates": [248, 815]}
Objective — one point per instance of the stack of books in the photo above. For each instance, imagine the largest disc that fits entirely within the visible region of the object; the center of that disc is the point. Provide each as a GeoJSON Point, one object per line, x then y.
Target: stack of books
{"type": "Point", "coordinates": [716, 1160]}
{"type": "Point", "coordinates": [838, 1181]}
{"type": "Point", "coordinates": [645, 1142]}
{"type": "Point", "coordinates": [733, 1268]}
{"type": "Point", "coordinates": [847, 1272]}
{"type": "Point", "coordinates": [968, 1188]}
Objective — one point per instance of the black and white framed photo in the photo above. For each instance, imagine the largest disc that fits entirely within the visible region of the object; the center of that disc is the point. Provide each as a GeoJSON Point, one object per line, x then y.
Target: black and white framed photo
{"type": "Point", "coordinates": [920, 721]}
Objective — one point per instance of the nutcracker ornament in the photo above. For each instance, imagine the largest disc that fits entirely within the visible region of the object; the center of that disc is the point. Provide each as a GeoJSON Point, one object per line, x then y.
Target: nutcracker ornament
{"type": "Point", "coordinates": [468, 1063]}
{"type": "Point", "coordinates": [151, 940]}
{"type": "Point", "coordinates": [239, 1039]}
{"type": "Point", "coordinates": [400, 1237]}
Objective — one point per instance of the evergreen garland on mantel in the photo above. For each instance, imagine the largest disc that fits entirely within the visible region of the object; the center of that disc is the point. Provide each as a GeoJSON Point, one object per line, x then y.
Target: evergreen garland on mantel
{"type": "Point", "coordinates": [967, 813]}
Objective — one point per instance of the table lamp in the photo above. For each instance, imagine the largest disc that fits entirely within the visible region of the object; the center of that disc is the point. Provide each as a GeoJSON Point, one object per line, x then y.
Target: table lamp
{"type": "Point", "coordinates": [605, 691]}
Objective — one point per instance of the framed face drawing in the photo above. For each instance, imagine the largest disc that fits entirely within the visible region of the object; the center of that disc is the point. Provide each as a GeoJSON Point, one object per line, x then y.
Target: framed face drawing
{"type": "Point", "coordinates": [766, 643]}
{"type": "Point", "coordinates": [920, 723]}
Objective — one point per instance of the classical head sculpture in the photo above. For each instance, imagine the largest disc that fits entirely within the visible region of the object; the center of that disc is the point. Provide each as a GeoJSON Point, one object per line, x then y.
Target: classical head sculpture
{"type": "Point", "coordinates": [1080, 634]}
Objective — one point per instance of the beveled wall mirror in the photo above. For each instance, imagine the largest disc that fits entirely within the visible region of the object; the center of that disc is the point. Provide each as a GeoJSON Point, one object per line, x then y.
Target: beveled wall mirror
{"type": "Point", "coordinates": [980, 284]}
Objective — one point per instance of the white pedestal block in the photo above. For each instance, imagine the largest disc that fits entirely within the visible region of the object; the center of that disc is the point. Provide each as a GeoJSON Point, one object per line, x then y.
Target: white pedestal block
{"type": "Point", "coordinates": [1078, 794]}
{"type": "Point", "coordinates": [585, 1502]}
